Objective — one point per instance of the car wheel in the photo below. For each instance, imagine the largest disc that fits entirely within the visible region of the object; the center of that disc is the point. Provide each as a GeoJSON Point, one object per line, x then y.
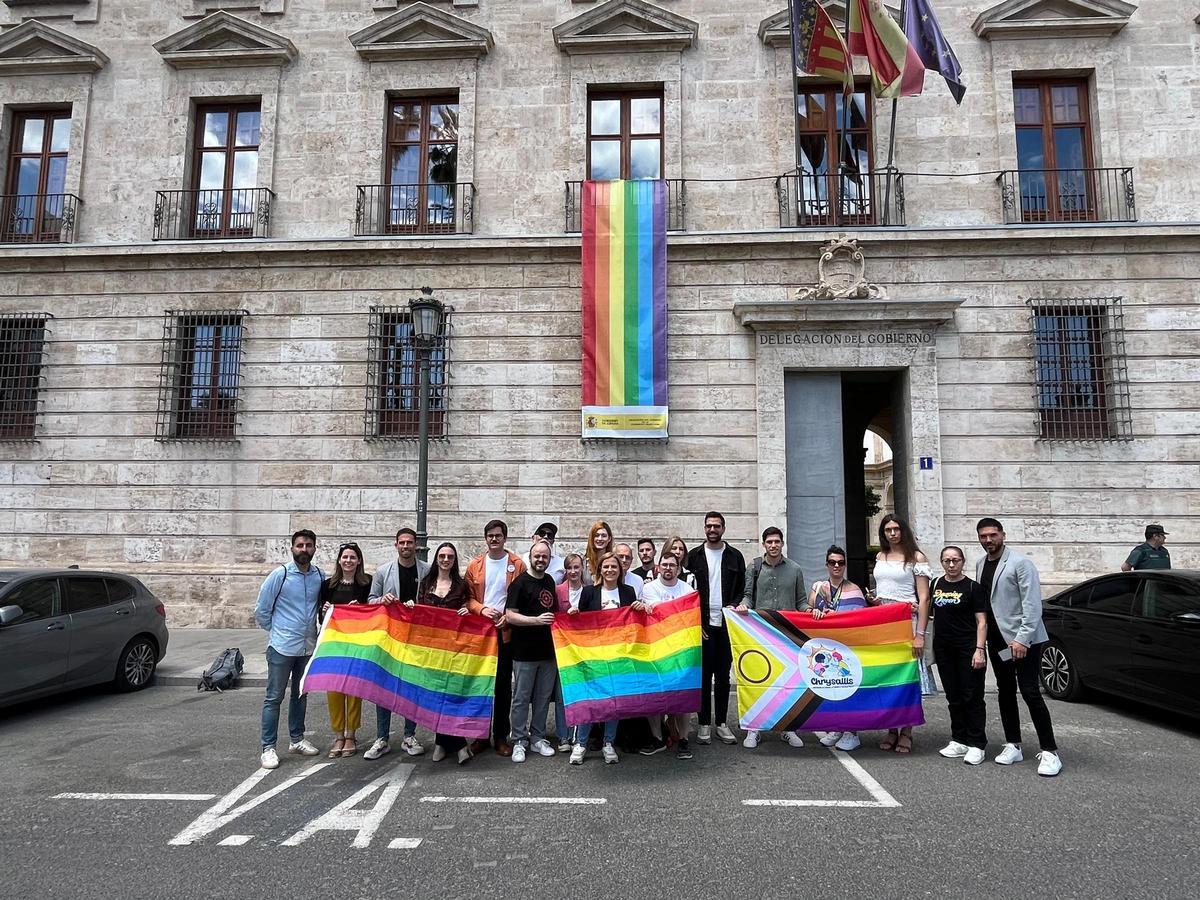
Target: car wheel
{"type": "Point", "coordinates": [1059, 677]}
{"type": "Point", "coordinates": [136, 665]}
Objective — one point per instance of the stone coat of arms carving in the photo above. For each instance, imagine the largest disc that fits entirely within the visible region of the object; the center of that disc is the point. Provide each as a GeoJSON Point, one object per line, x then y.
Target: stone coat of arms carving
{"type": "Point", "coordinates": [841, 274]}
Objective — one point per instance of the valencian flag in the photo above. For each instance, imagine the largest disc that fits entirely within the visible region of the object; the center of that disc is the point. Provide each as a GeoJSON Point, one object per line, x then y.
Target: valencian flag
{"type": "Point", "coordinates": [896, 69]}
{"type": "Point", "coordinates": [817, 45]}
{"type": "Point", "coordinates": [851, 671]}
{"type": "Point", "coordinates": [925, 34]}
{"type": "Point", "coordinates": [624, 383]}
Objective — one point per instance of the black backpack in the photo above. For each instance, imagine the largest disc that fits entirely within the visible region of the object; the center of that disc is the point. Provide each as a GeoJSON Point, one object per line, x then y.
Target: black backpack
{"type": "Point", "coordinates": [224, 672]}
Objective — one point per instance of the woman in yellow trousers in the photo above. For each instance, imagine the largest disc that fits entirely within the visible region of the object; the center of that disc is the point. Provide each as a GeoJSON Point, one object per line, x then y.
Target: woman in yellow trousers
{"type": "Point", "coordinates": [349, 583]}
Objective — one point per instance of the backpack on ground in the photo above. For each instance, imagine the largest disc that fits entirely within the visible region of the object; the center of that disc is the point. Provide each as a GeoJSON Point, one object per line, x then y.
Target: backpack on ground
{"type": "Point", "coordinates": [224, 672]}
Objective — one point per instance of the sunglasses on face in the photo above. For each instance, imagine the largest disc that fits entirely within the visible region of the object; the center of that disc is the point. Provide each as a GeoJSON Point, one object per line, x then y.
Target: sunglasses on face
{"type": "Point", "coordinates": [836, 563]}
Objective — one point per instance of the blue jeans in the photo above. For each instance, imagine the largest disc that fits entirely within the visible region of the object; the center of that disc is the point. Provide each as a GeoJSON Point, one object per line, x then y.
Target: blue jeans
{"type": "Point", "coordinates": [279, 669]}
{"type": "Point", "coordinates": [560, 715]}
{"type": "Point", "coordinates": [383, 724]}
{"type": "Point", "coordinates": [584, 731]}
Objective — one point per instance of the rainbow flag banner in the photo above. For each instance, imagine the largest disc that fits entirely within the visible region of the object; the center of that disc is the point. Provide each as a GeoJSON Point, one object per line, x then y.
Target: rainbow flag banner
{"type": "Point", "coordinates": [624, 385]}
{"type": "Point", "coordinates": [850, 671]}
{"type": "Point", "coordinates": [427, 664]}
{"type": "Point", "coordinates": [621, 663]}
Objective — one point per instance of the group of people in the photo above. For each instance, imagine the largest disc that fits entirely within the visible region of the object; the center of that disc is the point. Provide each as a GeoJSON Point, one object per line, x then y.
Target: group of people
{"type": "Point", "coordinates": [995, 617]}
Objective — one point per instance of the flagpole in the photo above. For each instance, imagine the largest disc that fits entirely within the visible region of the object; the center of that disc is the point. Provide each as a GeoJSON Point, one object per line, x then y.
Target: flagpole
{"type": "Point", "coordinates": [887, 174]}
{"type": "Point", "coordinates": [795, 92]}
{"type": "Point", "coordinates": [842, 118]}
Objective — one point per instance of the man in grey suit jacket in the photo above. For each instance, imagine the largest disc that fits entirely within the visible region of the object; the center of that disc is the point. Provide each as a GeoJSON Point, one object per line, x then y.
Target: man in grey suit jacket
{"type": "Point", "coordinates": [1016, 637]}
{"type": "Point", "coordinates": [396, 582]}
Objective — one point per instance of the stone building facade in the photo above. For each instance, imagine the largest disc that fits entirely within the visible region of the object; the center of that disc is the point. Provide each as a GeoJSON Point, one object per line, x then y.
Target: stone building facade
{"type": "Point", "coordinates": [1025, 331]}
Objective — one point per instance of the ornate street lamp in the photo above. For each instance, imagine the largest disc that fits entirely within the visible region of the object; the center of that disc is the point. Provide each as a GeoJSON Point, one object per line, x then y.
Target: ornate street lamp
{"type": "Point", "coordinates": [427, 315]}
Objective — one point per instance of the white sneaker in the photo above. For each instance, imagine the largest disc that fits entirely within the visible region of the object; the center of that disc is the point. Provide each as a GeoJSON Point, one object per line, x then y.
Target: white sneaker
{"type": "Point", "coordinates": [610, 754]}
{"type": "Point", "coordinates": [464, 755]}
{"type": "Point", "coordinates": [751, 740]}
{"type": "Point", "coordinates": [704, 735]}
{"type": "Point", "coordinates": [724, 735]}
{"type": "Point", "coordinates": [543, 748]}
{"type": "Point", "coordinates": [412, 746]}
{"type": "Point", "coordinates": [974, 756]}
{"type": "Point", "coordinates": [518, 754]}
{"type": "Point", "coordinates": [303, 747]}
{"type": "Point", "coordinates": [563, 745]}
{"type": "Point", "coordinates": [792, 739]}
{"type": "Point", "coordinates": [381, 747]}
{"type": "Point", "coordinates": [578, 752]}
{"type": "Point", "coordinates": [829, 738]}
{"type": "Point", "coordinates": [1049, 764]}
{"type": "Point", "coordinates": [954, 750]}
{"type": "Point", "coordinates": [1009, 754]}
{"type": "Point", "coordinates": [848, 741]}
{"type": "Point", "coordinates": [269, 758]}
{"type": "Point", "coordinates": [439, 753]}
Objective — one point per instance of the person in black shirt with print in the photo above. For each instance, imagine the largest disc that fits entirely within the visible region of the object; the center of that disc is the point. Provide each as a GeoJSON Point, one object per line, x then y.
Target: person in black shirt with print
{"type": "Point", "coordinates": [532, 601]}
{"type": "Point", "coordinates": [959, 649]}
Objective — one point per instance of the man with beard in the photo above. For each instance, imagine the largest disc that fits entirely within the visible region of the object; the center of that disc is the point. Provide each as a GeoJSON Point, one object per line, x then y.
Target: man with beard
{"type": "Point", "coordinates": [287, 609]}
{"type": "Point", "coordinates": [529, 609]}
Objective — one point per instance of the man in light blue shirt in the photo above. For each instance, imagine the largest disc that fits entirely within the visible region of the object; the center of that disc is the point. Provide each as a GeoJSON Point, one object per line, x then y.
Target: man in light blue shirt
{"type": "Point", "coordinates": [287, 609]}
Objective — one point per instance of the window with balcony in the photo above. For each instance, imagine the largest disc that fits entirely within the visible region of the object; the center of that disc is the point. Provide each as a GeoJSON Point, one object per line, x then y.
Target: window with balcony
{"type": "Point", "coordinates": [393, 382]}
{"type": "Point", "coordinates": [1082, 390]}
{"type": "Point", "coordinates": [200, 376]}
{"type": "Point", "coordinates": [22, 343]}
{"type": "Point", "coordinates": [36, 207]}
{"type": "Point", "coordinates": [625, 135]}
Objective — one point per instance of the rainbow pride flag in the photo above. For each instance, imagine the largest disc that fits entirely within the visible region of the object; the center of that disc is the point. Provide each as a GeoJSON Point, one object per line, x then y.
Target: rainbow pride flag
{"type": "Point", "coordinates": [428, 664]}
{"type": "Point", "coordinates": [624, 386]}
{"type": "Point", "coordinates": [850, 671]}
{"type": "Point", "coordinates": [620, 663]}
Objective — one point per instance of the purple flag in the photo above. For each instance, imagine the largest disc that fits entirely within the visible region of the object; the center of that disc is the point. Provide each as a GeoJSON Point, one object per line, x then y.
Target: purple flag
{"type": "Point", "coordinates": [925, 34]}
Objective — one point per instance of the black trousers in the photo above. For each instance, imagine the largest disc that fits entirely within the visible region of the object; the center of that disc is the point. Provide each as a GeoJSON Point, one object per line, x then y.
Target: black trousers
{"type": "Point", "coordinates": [1020, 674]}
{"type": "Point", "coordinates": [964, 693]}
{"type": "Point", "coordinates": [716, 658]}
{"type": "Point", "coordinates": [502, 710]}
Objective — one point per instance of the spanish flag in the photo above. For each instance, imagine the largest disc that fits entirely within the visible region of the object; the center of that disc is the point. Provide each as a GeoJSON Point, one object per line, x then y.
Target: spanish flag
{"type": "Point", "coordinates": [817, 45]}
{"type": "Point", "coordinates": [896, 67]}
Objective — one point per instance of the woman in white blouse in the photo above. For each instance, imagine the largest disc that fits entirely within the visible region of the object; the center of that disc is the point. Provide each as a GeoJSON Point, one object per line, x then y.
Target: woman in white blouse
{"type": "Point", "coordinates": [902, 576]}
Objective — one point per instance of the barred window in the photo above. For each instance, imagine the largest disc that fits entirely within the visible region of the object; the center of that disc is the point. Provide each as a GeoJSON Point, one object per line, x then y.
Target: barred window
{"type": "Point", "coordinates": [200, 376]}
{"type": "Point", "coordinates": [1080, 376]}
{"type": "Point", "coordinates": [393, 395]}
{"type": "Point", "coordinates": [22, 343]}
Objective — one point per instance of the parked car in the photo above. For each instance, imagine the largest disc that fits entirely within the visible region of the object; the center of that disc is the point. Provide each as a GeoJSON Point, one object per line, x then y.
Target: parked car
{"type": "Point", "coordinates": [1136, 634]}
{"type": "Point", "coordinates": [68, 628]}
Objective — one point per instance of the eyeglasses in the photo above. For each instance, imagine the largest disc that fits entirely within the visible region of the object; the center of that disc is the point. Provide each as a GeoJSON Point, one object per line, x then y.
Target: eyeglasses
{"type": "Point", "coordinates": [494, 537]}
{"type": "Point", "coordinates": [836, 563]}
{"type": "Point", "coordinates": [952, 562]}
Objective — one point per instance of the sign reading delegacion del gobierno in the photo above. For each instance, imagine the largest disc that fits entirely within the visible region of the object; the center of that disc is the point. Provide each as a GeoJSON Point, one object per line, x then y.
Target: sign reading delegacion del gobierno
{"type": "Point", "coordinates": [846, 338]}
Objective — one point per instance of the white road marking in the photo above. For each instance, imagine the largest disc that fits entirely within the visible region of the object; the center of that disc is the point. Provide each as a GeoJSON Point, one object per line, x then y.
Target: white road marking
{"type": "Point", "coordinates": [235, 840]}
{"type": "Point", "coordinates": [881, 798]}
{"type": "Point", "coordinates": [404, 844]}
{"type": "Point", "coordinates": [221, 813]}
{"type": "Point", "coordinates": [344, 817]}
{"type": "Point", "coordinates": [561, 801]}
{"type": "Point", "coordinates": [94, 796]}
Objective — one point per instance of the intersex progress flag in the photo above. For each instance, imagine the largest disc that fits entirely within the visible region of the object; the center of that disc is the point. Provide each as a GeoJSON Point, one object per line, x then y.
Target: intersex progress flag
{"type": "Point", "coordinates": [624, 381]}
{"type": "Point", "coordinates": [621, 663]}
{"type": "Point", "coordinates": [428, 664]}
{"type": "Point", "coordinates": [849, 671]}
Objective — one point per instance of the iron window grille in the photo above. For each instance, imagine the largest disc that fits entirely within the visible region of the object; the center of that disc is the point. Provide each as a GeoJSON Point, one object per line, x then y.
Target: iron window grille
{"type": "Point", "coordinates": [393, 376]}
{"type": "Point", "coordinates": [22, 351]}
{"type": "Point", "coordinates": [1080, 378]}
{"type": "Point", "coordinates": [201, 375]}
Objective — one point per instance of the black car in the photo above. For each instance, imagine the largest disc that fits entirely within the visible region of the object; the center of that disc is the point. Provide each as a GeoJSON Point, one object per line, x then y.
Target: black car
{"type": "Point", "coordinates": [1136, 634]}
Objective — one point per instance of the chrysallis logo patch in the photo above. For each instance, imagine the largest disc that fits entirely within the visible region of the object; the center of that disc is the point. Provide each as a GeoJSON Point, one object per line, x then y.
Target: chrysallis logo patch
{"type": "Point", "coordinates": [831, 669]}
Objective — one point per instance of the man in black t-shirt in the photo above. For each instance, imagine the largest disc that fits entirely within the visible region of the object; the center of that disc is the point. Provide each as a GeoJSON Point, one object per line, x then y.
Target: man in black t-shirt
{"type": "Point", "coordinates": [530, 611]}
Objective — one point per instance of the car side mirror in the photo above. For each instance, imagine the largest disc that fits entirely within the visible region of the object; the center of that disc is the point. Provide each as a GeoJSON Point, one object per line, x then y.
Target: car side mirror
{"type": "Point", "coordinates": [10, 614]}
{"type": "Point", "coordinates": [1188, 618]}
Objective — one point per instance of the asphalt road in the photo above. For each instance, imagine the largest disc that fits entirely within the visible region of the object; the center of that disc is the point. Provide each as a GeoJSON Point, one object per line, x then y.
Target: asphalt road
{"type": "Point", "coordinates": [1119, 821]}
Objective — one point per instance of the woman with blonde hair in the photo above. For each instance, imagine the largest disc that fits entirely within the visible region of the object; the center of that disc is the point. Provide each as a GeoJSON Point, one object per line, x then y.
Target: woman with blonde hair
{"type": "Point", "coordinates": [679, 550]}
{"type": "Point", "coordinates": [349, 583]}
{"type": "Point", "coordinates": [599, 542]}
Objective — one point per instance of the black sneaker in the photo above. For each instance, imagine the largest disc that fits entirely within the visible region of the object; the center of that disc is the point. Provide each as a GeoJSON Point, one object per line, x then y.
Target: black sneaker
{"type": "Point", "coordinates": [655, 746]}
{"type": "Point", "coordinates": [682, 750]}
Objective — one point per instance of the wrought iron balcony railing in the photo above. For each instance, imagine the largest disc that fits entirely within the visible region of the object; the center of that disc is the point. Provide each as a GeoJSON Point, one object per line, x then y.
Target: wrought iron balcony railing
{"type": "Point", "coordinates": [676, 205]}
{"type": "Point", "coordinates": [817, 200]}
{"type": "Point", "coordinates": [213, 214]}
{"type": "Point", "coordinates": [433, 208]}
{"type": "Point", "coordinates": [38, 218]}
{"type": "Point", "coordinates": [1068, 195]}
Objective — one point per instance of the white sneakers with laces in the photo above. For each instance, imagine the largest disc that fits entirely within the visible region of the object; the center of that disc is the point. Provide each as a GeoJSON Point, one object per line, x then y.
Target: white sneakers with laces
{"type": "Point", "coordinates": [542, 748]}
{"type": "Point", "coordinates": [518, 754]}
{"type": "Point", "coordinates": [1049, 764]}
{"type": "Point", "coordinates": [954, 750]}
{"type": "Point", "coordinates": [381, 747]}
{"type": "Point", "coordinates": [974, 756]}
{"type": "Point", "coordinates": [578, 752]}
{"type": "Point", "coordinates": [751, 740]}
{"type": "Point", "coordinates": [725, 735]}
{"type": "Point", "coordinates": [848, 741]}
{"type": "Point", "coordinates": [610, 754]}
{"type": "Point", "coordinates": [412, 746]}
{"type": "Point", "coordinates": [269, 758]}
{"type": "Point", "coordinates": [303, 747]}
{"type": "Point", "coordinates": [792, 739]}
{"type": "Point", "coordinates": [1009, 754]}
{"type": "Point", "coordinates": [704, 735]}
{"type": "Point", "coordinates": [829, 738]}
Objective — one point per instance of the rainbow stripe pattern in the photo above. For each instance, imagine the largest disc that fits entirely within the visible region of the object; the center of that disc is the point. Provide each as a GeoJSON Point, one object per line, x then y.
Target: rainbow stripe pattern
{"type": "Point", "coordinates": [427, 664]}
{"type": "Point", "coordinates": [849, 671]}
{"type": "Point", "coordinates": [621, 663]}
{"type": "Point", "coordinates": [624, 384]}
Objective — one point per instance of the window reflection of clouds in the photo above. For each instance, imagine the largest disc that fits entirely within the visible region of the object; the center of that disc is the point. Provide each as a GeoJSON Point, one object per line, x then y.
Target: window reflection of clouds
{"type": "Point", "coordinates": [606, 160]}
{"type": "Point", "coordinates": [606, 117]}
{"type": "Point", "coordinates": [644, 158]}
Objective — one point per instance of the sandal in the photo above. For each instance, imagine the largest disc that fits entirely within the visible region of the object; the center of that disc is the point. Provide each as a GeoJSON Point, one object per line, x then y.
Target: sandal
{"type": "Point", "coordinates": [349, 746]}
{"type": "Point", "coordinates": [901, 746]}
{"type": "Point", "coordinates": [336, 750]}
{"type": "Point", "coordinates": [888, 744]}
